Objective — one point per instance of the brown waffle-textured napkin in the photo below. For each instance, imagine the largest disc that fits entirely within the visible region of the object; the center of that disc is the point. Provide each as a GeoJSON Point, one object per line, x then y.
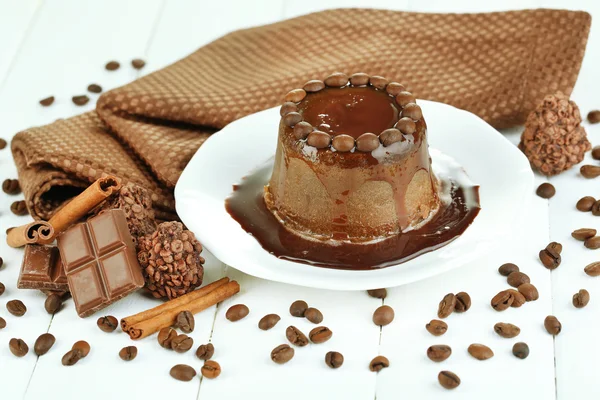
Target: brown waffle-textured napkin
{"type": "Point", "coordinates": [496, 65]}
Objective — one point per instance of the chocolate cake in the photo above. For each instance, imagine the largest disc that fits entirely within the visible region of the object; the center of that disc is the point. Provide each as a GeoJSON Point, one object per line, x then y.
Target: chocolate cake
{"type": "Point", "coordinates": [352, 161]}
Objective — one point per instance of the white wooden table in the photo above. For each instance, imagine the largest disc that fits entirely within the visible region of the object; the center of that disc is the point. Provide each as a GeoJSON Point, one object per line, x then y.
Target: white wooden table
{"type": "Point", "coordinates": [58, 47]}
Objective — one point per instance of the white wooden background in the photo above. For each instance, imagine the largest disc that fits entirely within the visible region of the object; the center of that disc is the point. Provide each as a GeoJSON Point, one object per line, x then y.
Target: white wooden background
{"type": "Point", "coordinates": [58, 47]}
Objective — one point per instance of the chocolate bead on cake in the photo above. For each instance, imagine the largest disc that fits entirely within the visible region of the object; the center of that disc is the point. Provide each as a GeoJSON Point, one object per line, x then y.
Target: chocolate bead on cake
{"type": "Point", "coordinates": [352, 161]}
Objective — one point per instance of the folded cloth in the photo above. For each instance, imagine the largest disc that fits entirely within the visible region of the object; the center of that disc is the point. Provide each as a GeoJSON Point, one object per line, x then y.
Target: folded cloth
{"type": "Point", "coordinates": [496, 65]}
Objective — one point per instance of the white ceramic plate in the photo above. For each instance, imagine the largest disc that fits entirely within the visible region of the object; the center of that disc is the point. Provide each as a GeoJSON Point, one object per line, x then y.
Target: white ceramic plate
{"type": "Point", "coordinates": [491, 161]}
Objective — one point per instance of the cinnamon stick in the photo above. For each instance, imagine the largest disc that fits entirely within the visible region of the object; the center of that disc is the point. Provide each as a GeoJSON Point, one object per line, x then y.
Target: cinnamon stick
{"type": "Point", "coordinates": [33, 232]}
{"type": "Point", "coordinates": [149, 326]}
{"type": "Point", "coordinates": [126, 323]}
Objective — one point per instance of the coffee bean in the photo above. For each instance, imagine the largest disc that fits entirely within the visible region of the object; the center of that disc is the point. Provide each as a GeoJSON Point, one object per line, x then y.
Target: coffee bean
{"type": "Point", "coordinates": [436, 327]}
{"type": "Point", "coordinates": [507, 330]}
{"type": "Point", "coordinates": [378, 293]}
{"type": "Point", "coordinates": [367, 142]}
{"type": "Point", "coordinates": [237, 312]}
{"type": "Point", "coordinates": [337, 79]}
{"type": "Point", "coordinates": [549, 258]}
{"type": "Point", "coordinates": [313, 86]}
{"type": "Point", "coordinates": [287, 108]}
{"type": "Point", "coordinates": [593, 117]}
{"type": "Point", "coordinates": [182, 343]}
{"type": "Point", "coordinates": [16, 308]}
{"type": "Point", "coordinates": [555, 247]}
{"type": "Point", "coordinates": [94, 88]}
{"type": "Point", "coordinates": [333, 359]}
{"type": "Point", "coordinates": [11, 186]}
{"type": "Point", "coordinates": [405, 98]}
{"type": "Point", "coordinates": [596, 153]}
{"type": "Point", "coordinates": [83, 347]}
{"type": "Point", "coordinates": [502, 300]}
{"type": "Point", "coordinates": [516, 279]}
{"type": "Point", "coordinates": [480, 351]}
{"type": "Point", "coordinates": [585, 203]}
{"type": "Point", "coordinates": [439, 352]}
{"type": "Point", "coordinates": [298, 308]}
{"type": "Point", "coordinates": [80, 100]}
{"type": "Point", "coordinates": [583, 233]}
{"type": "Point", "coordinates": [518, 298]}
{"type": "Point", "coordinates": [1, 260]}
{"type": "Point", "coordinates": [107, 323]}
{"type": "Point", "coordinates": [379, 363]}
{"type": "Point", "coordinates": [394, 88]}
{"type": "Point", "coordinates": [53, 303]}
{"type": "Point", "coordinates": [268, 321]}
{"type": "Point", "coordinates": [295, 95]}
{"type": "Point", "coordinates": [296, 337]}
{"type": "Point", "coordinates": [521, 350]}
{"type": "Point", "coordinates": [552, 325]}
{"type": "Point", "coordinates": [166, 336]}
{"type": "Point", "coordinates": [18, 347]}
{"type": "Point", "coordinates": [205, 351]}
{"type": "Point", "coordinates": [3, 144]}
{"type": "Point", "coordinates": [44, 343]}
{"type": "Point", "coordinates": [313, 315]}
{"type": "Point", "coordinates": [378, 82]}
{"type": "Point", "coordinates": [19, 208]}
{"type": "Point", "coordinates": [359, 79]}
{"type": "Point", "coordinates": [185, 322]}
{"type": "Point", "coordinates": [590, 171]}
{"type": "Point", "coordinates": [320, 334]}
{"type": "Point", "coordinates": [71, 357]}
{"type": "Point", "coordinates": [318, 139]}
{"type": "Point", "coordinates": [282, 354]}
{"type": "Point", "coordinates": [391, 136]}
{"type": "Point", "coordinates": [447, 305]}
{"type": "Point", "coordinates": [182, 372]}
{"type": "Point", "coordinates": [592, 243]}
{"type": "Point", "coordinates": [463, 302]}
{"type": "Point", "coordinates": [529, 291]}
{"type": "Point", "coordinates": [2, 288]}
{"type": "Point", "coordinates": [448, 380]}
{"type": "Point", "coordinates": [581, 298]}
{"type": "Point", "coordinates": [47, 101]}
{"type": "Point", "coordinates": [211, 369]}
{"type": "Point", "coordinates": [507, 269]}
{"type": "Point", "coordinates": [593, 269]}
{"type": "Point", "coordinates": [302, 129]}
{"type": "Point", "coordinates": [596, 208]}
{"type": "Point", "coordinates": [138, 63]}
{"type": "Point", "coordinates": [546, 190]}
{"type": "Point", "coordinates": [383, 316]}
{"type": "Point", "coordinates": [112, 65]}
{"type": "Point", "coordinates": [128, 353]}
{"type": "Point", "coordinates": [406, 126]}
{"type": "Point", "coordinates": [2, 323]}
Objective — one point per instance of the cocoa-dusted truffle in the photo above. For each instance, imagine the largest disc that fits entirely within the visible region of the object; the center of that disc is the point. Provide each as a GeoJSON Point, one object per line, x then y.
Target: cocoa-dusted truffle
{"type": "Point", "coordinates": [554, 139]}
{"type": "Point", "coordinates": [170, 260]}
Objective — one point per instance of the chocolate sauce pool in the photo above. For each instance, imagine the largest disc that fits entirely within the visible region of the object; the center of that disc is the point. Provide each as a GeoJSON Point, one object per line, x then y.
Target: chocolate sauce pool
{"type": "Point", "coordinates": [247, 207]}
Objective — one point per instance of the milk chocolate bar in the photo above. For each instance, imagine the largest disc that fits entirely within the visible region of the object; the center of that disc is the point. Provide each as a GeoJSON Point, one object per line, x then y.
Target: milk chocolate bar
{"type": "Point", "coordinates": [42, 269]}
{"type": "Point", "coordinates": [100, 261]}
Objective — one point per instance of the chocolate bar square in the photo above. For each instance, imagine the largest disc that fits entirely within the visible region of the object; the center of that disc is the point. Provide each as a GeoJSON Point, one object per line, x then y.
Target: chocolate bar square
{"type": "Point", "coordinates": [42, 269]}
{"type": "Point", "coordinates": [100, 261]}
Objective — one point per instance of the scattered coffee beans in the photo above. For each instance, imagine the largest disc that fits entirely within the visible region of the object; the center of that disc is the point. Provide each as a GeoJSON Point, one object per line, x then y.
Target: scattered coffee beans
{"type": "Point", "coordinates": [185, 322]}
{"type": "Point", "coordinates": [596, 153]}
{"type": "Point", "coordinates": [516, 279]}
{"type": "Point", "coordinates": [448, 380]}
{"type": "Point", "coordinates": [298, 308]}
{"type": "Point", "coordinates": [211, 369]}
{"type": "Point", "coordinates": [546, 190]}
{"type": "Point", "coordinates": [552, 325]}
{"type": "Point", "coordinates": [596, 208]}
{"type": "Point", "coordinates": [583, 233]}
{"type": "Point", "coordinates": [47, 101]}
{"type": "Point", "coordinates": [138, 63]}
{"type": "Point", "coordinates": [11, 186]}
{"type": "Point", "coordinates": [18, 347]}
{"type": "Point", "coordinates": [182, 343]}
{"type": "Point", "coordinates": [439, 352]}
{"type": "Point", "coordinates": [378, 293]}
{"type": "Point", "coordinates": [296, 337]}
{"type": "Point", "coordinates": [436, 327]}
{"type": "Point", "coordinates": [518, 298]}
{"type": "Point", "coordinates": [592, 243]}
{"type": "Point", "coordinates": [379, 363]}
{"type": "Point", "coordinates": [383, 315]}
{"type": "Point", "coordinates": [166, 336]}
{"type": "Point", "coordinates": [320, 334]}
{"type": "Point", "coordinates": [44, 343]}
{"type": "Point", "coordinates": [112, 65]}
{"type": "Point", "coordinates": [507, 269]}
{"type": "Point", "coordinates": [71, 357]}
{"type": "Point", "coordinates": [107, 323]}
{"type": "Point", "coordinates": [593, 269]}
{"type": "Point", "coordinates": [2, 323]}
{"type": "Point", "coordinates": [590, 171]}
{"type": "Point", "coordinates": [333, 359]}
{"type": "Point", "coordinates": [581, 298]}
{"type": "Point", "coordinates": [183, 372]}
{"type": "Point", "coordinates": [128, 353]}
{"type": "Point", "coordinates": [268, 321]}
{"type": "Point", "coordinates": [16, 308]}
{"type": "Point", "coordinates": [502, 300]}
{"type": "Point", "coordinates": [237, 312]}
{"type": "Point", "coordinates": [585, 203]}
{"type": "Point", "coordinates": [480, 351]}
{"type": "Point", "coordinates": [463, 302]}
{"type": "Point", "coordinates": [80, 100]}
{"type": "Point", "coordinates": [529, 291]}
{"type": "Point", "coordinates": [19, 208]}
{"type": "Point", "coordinates": [94, 88]}
{"type": "Point", "coordinates": [521, 350]}
{"type": "Point", "coordinates": [593, 117]}
{"type": "Point", "coordinates": [549, 258]}
{"type": "Point", "coordinates": [447, 305]}
{"type": "Point", "coordinates": [507, 330]}
{"type": "Point", "coordinates": [2, 288]}
{"type": "Point", "coordinates": [83, 347]}
{"type": "Point", "coordinates": [53, 303]}
{"type": "Point", "coordinates": [205, 351]}
{"type": "Point", "coordinates": [313, 315]}
{"type": "Point", "coordinates": [282, 354]}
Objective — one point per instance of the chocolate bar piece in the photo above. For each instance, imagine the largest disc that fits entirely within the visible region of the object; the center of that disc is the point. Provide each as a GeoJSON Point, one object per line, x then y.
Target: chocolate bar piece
{"type": "Point", "coordinates": [100, 261]}
{"type": "Point", "coordinates": [42, 269]}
